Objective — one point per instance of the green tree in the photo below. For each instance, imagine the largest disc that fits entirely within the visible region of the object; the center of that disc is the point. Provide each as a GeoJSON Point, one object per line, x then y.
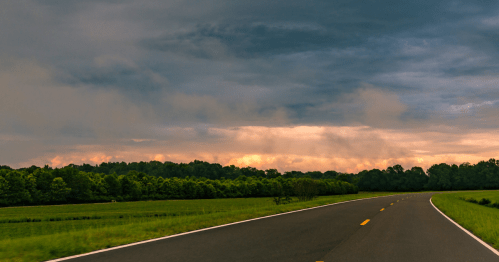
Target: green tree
{"type": "Point", "coordinates": [59, 190]}
{"type": "Point", "coordinates": [99, 187]}
{"type": "Point", "coordinates": [208, 190]}
{"type": "Point", "coordinates": [44, 179]}
{"type": "Point", "coordinates": [131, 189]}
{"type": "Point", "coordinates": [4, 188]}
{"type": "Point", "coordinates": [330, 174]}
{"type": "Point", "coordinates": [81, 187]}
{"type": "Point", "coordinates": [305, 188]}
{"type": "Point", "coordinates": [278, 193]}
{"type": "Point", "coordinates": [272, 173]}
{"type": "Point", "coordinates": [190, 189]}
{"type": "Point", "coordinates": [17, 192]}
{"type": "Point", "coordinates": [113, 185]}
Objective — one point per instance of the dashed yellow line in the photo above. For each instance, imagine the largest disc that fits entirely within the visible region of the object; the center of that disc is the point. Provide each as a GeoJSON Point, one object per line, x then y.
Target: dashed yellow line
{"type": "Point", "coordinates": [365, 222]}
{"type": "Point", "coordinates": [382, 209]}
{"type": "Point", "coordinates": [391, 204]}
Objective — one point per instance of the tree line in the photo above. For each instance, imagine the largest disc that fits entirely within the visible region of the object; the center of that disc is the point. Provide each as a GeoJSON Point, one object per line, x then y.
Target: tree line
{"type": "Point", "coordinates": [38, 186]}
{"type": "Point", "coordinates": [195, 168]}
{"type": "Point", "coordinates": [198, 179]}
{"type": "Point", "coordinates": [483, 175]}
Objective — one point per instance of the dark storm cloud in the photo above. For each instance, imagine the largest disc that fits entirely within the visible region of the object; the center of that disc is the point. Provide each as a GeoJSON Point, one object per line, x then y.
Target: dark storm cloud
{"type": "Point", "coordinates": [342, 48]}
{"type": "Point", "coordinates": [126, 79]}
{"type": "Point", "coordinates": [247, 41]}
{"type": "Point", "coordinates": [263, 28]}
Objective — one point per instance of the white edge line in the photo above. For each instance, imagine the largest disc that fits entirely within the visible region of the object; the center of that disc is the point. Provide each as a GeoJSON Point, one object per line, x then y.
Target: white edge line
{"type": "Point", "coordinates": [467, 232]}
{"type": "Point", "coordinates": [199, 230]}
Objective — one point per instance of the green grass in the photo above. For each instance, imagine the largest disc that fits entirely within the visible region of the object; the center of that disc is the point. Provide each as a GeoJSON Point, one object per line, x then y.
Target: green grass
{"type": "Point", "coordinates": [480, 220]}
{"type": "Point", "coordinates": [38, 241]}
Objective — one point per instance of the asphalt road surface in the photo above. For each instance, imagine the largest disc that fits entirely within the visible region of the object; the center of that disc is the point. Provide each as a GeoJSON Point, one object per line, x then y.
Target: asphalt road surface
{"type": "Point", "coordinates": [407, 229]}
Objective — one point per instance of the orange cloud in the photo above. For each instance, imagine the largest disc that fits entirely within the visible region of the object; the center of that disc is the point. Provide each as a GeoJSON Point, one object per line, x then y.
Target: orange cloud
{"type": "Point", "coordinates": [342, 148]}
{"type": "Point", "coordinates": [159, 157]}
{"type": "Point", "coordinates": [100, 158]}
{"type": "Point", "coordinates": [56, 161]}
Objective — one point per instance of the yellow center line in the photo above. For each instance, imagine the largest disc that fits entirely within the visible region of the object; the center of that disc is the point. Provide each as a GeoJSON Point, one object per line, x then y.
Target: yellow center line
{"type": "Point", "coordinates": [382, 209]}
{"type": "Point", "coordinates": [391, 204]}
{"type": "Point", "coordinates": [365, 222]}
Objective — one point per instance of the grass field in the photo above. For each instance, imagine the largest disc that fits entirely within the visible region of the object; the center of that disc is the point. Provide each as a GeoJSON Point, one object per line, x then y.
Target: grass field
{"type": "Point", "coordinates": [480, 220]}
{"type": "Point", "coordinates": [74, 229]}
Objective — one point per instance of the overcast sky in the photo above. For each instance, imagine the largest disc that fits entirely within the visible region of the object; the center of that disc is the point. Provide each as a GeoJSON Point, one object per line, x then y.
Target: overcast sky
{"type": "Point", "coordinates": [293, 85]}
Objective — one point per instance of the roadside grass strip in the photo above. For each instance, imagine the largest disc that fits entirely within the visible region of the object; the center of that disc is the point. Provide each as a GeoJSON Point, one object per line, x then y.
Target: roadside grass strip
{"type": "Point", "coordinates": [480, 222]}
{"type": "Point", "coordinates": [35, 245]}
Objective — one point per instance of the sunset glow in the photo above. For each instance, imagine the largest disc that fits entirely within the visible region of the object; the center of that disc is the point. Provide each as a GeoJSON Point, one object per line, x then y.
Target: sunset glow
{"type": "Point", "coordinates": [304, 148]}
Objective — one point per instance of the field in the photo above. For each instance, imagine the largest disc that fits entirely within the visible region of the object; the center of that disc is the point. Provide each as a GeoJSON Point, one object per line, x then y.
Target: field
{"type": "Point", "coordinates": [482, 221]}
{"type": "Point", "coordinates": [74, 229]}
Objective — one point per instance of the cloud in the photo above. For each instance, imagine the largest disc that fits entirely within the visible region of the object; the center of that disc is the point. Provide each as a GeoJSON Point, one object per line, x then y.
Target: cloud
{"type": "Point", "coordinates": [159, 157]}
{"type": "Point", "coordinates": [491, 21]}
{"type": "Point", "coordinates": [214, 41]}
{"type": "Point", "coordinates": [381, 108]}
{"type": "Point", "coordinates": [208, 109]}
{"type": "Point", "coordinates": [338, 84]}
{"type": "Point", "coordinates": [48, 113]}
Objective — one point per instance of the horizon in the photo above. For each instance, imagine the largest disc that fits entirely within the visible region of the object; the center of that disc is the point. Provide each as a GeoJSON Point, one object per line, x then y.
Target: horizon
{"type": "Point", "coordinates": [282, 172]}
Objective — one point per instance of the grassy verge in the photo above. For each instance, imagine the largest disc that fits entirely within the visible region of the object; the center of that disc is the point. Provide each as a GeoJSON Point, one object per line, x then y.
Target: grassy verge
{"type": "Point", "coordinates": [122, 223]}
{"type": "Point", "coordinates": [480, 220]}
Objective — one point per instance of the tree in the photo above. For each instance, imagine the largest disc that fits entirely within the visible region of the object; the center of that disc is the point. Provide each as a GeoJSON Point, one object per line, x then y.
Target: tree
{"type": "Point", "coordinates": [4, 188]}
{"type": "Point", "coordinates": [344, 177]}
{"type": "Point", "coordinates": [416, 179]}
{"type": "Point", "coordinates": [17, 192]}
{"type": "Point", "coordinates": [208, 190]}
{"type": "Point", "coordinates": [464, 174]}
{"type": "Point", "coordinates": [30, 185]}
{"type": "Point", "coordinates": [59, 190]}
{"type": "Point", "coordinates": [305, 188]}
{"type": "Point", "coordinates": [278, 193]}
{"type": "Point", "coordinates": [330, 174]}
{"type": "Point", "coordinates": [131, 189]}
{"type": "Point", "coordinates": [44, 179]}
{"type": "Point", "coordinates": [272, 173]}
{"type": "Point", "coordinates": [99, 187]}
{"type": "Point", "coordinates": [81, 186]}
{"type": "Point", "coordinates": [172, 188]}
{"type": "Point", "coordinates": [113, 185]}
{"type": "Point", "coordinates": [373, 180]}
{"type": "Point", "coordinates": [315, 174]}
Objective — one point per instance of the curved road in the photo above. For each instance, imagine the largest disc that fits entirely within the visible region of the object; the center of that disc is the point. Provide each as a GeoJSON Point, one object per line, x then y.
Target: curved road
{"type": "Point", "coordinates": [410, 229]}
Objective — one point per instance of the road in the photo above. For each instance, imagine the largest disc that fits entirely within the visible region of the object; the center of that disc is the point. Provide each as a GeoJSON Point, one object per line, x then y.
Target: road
{"type": "Point", "coordinates": [400, 228]}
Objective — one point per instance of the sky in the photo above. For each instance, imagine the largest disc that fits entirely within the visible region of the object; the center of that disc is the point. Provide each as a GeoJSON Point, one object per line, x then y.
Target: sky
{"type": "Point", "coordinates": [292, 85]}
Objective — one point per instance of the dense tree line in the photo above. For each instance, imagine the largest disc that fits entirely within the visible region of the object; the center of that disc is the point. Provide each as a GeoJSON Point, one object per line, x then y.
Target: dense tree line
{"type": "Point", "coordinates": [198, 179]}
{"type": "Point", "coordinates": [70, 185]}
{"type": "Point", "coordinates": [483, 175]}
{"type": "Point", "coordinates": [393, 179]}
{"type": "Point", "coordinates": [195, 169]}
